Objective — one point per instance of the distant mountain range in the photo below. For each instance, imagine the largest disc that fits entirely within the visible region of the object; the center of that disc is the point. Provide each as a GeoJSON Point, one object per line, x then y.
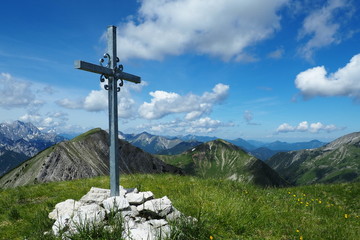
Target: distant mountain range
{"type": "Point", "coordinates": [224, 160]}
{"type": "Point", "coordinates": [20, 141]}
{"type": "Point", "coordinates": [83, 157]}
{"type": "Point", "coordinates": [338, 161]}
{"type": "Point", "coordinates": [87, 155]}
{"type": "Point", "coordinates": [150, 143]}
{"type": "Point", "coordinates": [174, 145]}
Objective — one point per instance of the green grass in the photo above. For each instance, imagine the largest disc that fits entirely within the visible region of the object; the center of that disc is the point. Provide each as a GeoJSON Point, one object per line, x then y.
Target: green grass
{"type": "Point", "coordinates": [226, 209]}
{"type": "Point", "coordinates": [85, 135]}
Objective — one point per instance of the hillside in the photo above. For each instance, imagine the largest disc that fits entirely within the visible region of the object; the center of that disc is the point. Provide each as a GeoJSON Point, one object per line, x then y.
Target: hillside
{"type": "Point", "coordinates": [338, 161]}
{"type": "Point", "coordinates": [225, 209]}
{"type": "Point", "coordinates": [83, 157]}
{"type": "Point", "coordinates": [10, 159]}
{"type": "Point", "coordinates": [221, 159]}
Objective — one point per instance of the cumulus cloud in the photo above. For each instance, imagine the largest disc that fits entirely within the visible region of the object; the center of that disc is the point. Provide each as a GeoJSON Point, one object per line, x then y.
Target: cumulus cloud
{"type": "Point", "coordinates": [219, 28]}
{"type": "Point", "coordinates": [306, 127]}
{"type": "Point", "coordinates": [199, 126]}
{"type": "Point", "coordinates": [322, 27]}
{"type": "Point", "coordinates": [194, 106]}
{"type": "Point", "coordinates": [47, 121]}
{"type": "Point", "coordinates": [16, 93]}
{"type": "Point", "coordinates": [97, 100]}
{"type": "Point", "coordinates": [344, 82]}
{"type": "Point", "coordinates": [249, 116]}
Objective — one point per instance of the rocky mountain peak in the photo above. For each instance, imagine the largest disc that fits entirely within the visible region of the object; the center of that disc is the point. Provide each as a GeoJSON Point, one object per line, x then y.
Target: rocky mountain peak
{"type": "Point", "coordinates": [19, 130]}
{"type": "Point", "coordinates": [351, 138]}
{"type": "Point", "coordinates": [82, 157]}
{"type": "Point", "coordinates": [220, 143]}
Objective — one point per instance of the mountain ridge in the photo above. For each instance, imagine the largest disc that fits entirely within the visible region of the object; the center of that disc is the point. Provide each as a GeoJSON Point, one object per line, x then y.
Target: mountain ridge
{"type": "Point", "coordinates": [162, 144]}
{"type": "Point", "coordinates": [224, 160]}
{"type": "Point", "coordinates": [20, 141]}
{"type": "Point", "coordinates": [82, 157]}
{"type": "Point", "coordinates": [338, 161]}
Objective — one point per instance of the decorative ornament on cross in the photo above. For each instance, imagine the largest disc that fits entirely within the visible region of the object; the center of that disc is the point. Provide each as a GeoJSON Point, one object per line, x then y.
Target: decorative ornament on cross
{"type": "Point", "coordinates": [117, 69]}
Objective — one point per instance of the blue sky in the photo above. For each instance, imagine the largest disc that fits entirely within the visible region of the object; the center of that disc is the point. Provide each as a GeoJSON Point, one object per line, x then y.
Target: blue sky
{"type": "Point", "coordinates": [265, 70]}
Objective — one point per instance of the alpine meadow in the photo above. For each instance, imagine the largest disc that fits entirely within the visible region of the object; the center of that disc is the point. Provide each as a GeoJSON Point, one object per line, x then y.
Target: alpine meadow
{"type": "Point", "coordinates": [189, 120]}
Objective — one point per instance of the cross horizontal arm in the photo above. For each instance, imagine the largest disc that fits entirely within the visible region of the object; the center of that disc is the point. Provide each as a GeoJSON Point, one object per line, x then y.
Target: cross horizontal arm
{"type": "Point", "coordinates": [93, 68]}
{"type": "Point", "coordinates": [128, 77]}
{"type": "Point", "coordinates": [106, 71]}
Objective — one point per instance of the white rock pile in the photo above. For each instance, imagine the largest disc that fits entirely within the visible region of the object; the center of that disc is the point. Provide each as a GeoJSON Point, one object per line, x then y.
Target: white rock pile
{"type": "Point", "coordinates": [143, 217]}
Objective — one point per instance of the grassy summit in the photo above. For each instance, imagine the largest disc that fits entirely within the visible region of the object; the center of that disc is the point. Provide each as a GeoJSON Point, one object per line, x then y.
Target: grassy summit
{"type": "Point", "coordinates": [225, 209]}
{"type": "Point", "coordinates": [223, 160]}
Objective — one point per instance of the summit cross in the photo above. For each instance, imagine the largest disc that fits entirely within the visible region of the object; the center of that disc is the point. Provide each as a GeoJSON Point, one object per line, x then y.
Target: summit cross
{"type": "Point", "coordinates": [112, 72]}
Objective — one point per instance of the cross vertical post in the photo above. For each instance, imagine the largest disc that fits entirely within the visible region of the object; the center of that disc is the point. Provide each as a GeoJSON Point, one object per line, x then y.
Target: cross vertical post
{"type": "Point", "coordinates": [112, 73]}
{"type": "Point", "coordinates": [113, 115]}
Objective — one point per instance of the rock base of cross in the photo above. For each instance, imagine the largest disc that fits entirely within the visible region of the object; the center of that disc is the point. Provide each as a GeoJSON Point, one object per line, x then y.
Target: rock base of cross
{"type": "Point", "coordinates": [141, 215]}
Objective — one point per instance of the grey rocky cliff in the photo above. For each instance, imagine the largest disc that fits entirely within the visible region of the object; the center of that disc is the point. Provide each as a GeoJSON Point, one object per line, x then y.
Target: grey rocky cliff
{"type": "Point", "coordinates": [140, 215]}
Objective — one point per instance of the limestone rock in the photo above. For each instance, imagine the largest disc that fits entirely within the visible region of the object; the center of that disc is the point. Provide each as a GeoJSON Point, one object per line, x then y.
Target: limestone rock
{"type": "Point", "coordinates": [149, 230]}
{"type": "Point", "coordinates": [139, 198]}
{"type": "Point", "coordinates": [64, 208]}
{"type": "Point", "coordinates": [95, 195]}
{"type": "Point", "coordinates": [115, 204]}
{"type": "Point", "coordinates": [91, 213]}
{"type": "Point", "coordinates": [143, 217]}
{"type": "Point", "coordinates": [175, 214]}
{"type": "Point", "coordinates": [158, 207]}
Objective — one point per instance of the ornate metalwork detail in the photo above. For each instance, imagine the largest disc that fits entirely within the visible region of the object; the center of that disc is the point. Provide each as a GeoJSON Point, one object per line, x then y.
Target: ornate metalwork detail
{"type": "Point", "coordinates": [102, 76]}
{"type": "Point", "coordinates": [117, 69]}
{"type": "Point", "coordinates": [106, 55]}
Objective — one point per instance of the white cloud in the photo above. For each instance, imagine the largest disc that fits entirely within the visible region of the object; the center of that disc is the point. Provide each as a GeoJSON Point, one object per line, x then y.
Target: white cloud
{"type": "Point", "coordinates": [16, 93]}
{"type": "Point", "coordinates": [97, 100]}
{"type": "Point", "coordinates": [306, 127]}
{"type": "Point", "coordinates": [249, 116]}
{"type": "Point", "coordinates": [70, 104]}
{"type": "Point", "coordinates": [285, 127]}
{"type": "Point", "coordinates": [218, 28]}
{"type": "Point", "coordinates": [199, 126]}
{"type": "Point", "coordinates": [165, 103]}
{"type": "Point", "coordinates": [322, 28]}
{"type": "Point", "coordinates": [344, 82]}
{"type": "Point", "coordinates": [47, 121]}
{"type": "Point", "coordinates": [303, 126]}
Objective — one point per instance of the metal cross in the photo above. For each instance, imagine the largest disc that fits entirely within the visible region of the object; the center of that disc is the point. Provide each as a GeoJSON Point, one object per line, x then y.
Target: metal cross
{"type": "Point", "coordinates": [112, 73]}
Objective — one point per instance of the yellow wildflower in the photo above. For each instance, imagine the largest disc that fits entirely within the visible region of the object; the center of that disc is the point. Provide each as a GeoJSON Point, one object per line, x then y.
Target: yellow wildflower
{"type": "Point", "coordinates": [346, 215]}
{"type": "Point", "coordinates": [211, 237]}
{"type": "Point", "coordinates": [301, 238]}
{"type": "Point", "coordinates": [297, 230]}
